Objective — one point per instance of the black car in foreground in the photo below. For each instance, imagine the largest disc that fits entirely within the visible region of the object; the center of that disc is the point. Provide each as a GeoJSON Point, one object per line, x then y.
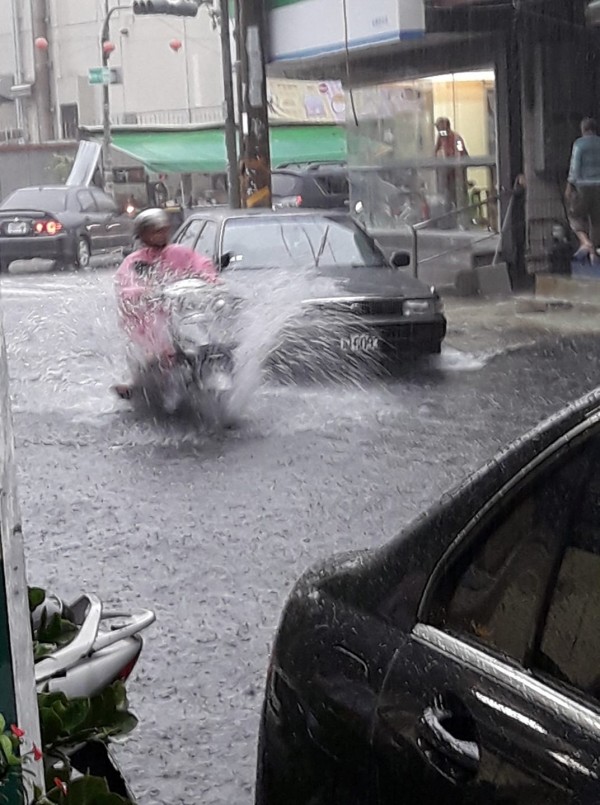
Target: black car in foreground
{"type": "Point", "coordinates": [368, 305]}
{"type": "Point", "coordinates": [60, 223]}
{"type": "Point", "coordinates": [460, 663]}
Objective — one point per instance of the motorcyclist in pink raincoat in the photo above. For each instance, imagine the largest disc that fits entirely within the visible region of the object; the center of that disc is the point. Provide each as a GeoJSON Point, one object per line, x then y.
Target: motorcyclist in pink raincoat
{"type": "Point", "coordinates": [137, 279]}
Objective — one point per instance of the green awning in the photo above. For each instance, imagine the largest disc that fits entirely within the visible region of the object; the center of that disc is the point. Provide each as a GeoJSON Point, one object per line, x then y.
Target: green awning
{"type": "Point", "coordinates": [204, 151]}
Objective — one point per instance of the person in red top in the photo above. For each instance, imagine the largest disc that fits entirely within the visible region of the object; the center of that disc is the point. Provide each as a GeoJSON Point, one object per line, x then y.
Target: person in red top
{"type": "Point", "coordinates": [449, 143]}
{"type": "Point", "coordinates": [155, 263]}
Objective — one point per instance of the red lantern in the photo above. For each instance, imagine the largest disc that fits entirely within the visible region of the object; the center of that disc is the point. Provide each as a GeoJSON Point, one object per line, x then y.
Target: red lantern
{"type": "Point", "coordinates": [175, 45]}
{"type": "Point", "coordinates": [108, 48]}
{"type": "Point", "coordinates": [41, 43]}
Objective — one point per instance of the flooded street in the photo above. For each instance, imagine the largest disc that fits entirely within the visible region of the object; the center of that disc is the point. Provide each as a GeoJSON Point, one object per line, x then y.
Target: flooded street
{"type": "Point", "coordinates": [211, 531]}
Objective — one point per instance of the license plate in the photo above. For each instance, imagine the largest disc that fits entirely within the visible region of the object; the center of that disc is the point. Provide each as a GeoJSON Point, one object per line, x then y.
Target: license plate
{"type": "Point", "coordinates": [360, 343]}
{"type": "Point", "coordinates": [17, 228]}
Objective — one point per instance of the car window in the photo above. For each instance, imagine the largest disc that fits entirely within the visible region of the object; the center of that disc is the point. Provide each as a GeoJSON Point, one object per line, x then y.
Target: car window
{"type": "Point", "coordinates": [298, 242]}
{"type": "Point", "coordinates": [104, 202]}
{"type": "Point", "coordinates": [569, 648]}
{"type": "Point", "coordinates": [285, 184]}
{"type": "Point", "coordinates": [333, 185]}
{"type": "Point", "coordinates": [190, 233]}
{"type": "Point", "coordinates": [86, 201]}
{"type": "Point", "coordinates": [494, 591]}
{"type": "Point", "coordinates": [205, 245]}
{"type": "Point", "coordinates": [33, 198]}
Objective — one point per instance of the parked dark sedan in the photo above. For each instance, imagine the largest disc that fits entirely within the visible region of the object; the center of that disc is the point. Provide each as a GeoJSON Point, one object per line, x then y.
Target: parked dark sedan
{"type": "Point", "coordinates": [60, 223]}
{"type": "Point", "coordinates": [342, 270]}
{"type": "Point", "coordinates": [461, 662]}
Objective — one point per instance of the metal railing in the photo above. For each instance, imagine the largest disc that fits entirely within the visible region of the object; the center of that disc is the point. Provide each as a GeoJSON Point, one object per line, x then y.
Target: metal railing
{"type": "Point", "coordinates": [421, 225]}
{"type": "Point", "coordinates": [203, 116]}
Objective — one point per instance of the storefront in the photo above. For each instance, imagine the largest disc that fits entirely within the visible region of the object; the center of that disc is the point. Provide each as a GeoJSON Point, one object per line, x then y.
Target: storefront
{"type": "Point", "coordinates": [425, 149]}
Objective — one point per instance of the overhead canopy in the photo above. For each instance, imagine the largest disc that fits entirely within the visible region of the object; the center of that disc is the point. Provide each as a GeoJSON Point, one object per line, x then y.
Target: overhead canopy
{"type": "Point", "coordinates": [204, 151]}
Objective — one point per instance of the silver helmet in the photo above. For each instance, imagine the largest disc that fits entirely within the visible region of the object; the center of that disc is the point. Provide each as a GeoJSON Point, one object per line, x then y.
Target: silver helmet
{"type": "Point", "coordinates": [151, 219]}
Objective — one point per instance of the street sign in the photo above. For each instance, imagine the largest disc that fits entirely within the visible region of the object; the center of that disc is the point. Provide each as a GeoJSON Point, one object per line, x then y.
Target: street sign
{"type": "Point", "coordinates": [99, 75]}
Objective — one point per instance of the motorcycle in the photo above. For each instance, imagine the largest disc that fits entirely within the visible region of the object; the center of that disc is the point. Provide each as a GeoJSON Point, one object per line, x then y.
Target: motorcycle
{"type": "Point", "coordinates": [105, 647]}
{"type": "Point", "coordinates": [201, 320]}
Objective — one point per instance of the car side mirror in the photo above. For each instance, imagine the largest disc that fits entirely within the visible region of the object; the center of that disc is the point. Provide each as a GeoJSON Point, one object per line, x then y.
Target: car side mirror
{"type": "Point", "coordinates": [400, 259]}
{"type": "Point", "coordinates": [225, 260]}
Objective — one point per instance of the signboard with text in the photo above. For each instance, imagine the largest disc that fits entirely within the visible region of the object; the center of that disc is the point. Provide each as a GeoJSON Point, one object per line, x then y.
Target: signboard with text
{"type": "Point", "coordinates": [310, 28]}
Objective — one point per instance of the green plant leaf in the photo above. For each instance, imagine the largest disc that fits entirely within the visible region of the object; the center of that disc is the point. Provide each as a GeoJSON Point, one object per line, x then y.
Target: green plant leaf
{"type": "Point", "coordinates": [7, 749]}
{"type": "Point", "coordinates": [2, 723]}
{"type": "Point", "coordinates": [37, 596]}
{"type": "Point", "coordinates": [57, 630]}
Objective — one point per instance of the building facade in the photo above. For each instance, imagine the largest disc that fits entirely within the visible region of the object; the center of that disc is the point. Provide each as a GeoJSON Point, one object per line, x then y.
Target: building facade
{"type": "Point", "coordinates": [167, 69]}
{"type": "Point", "coordinates": [512, 79]}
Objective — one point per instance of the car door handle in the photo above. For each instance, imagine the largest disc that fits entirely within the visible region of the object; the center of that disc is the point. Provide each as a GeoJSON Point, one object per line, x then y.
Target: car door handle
{"type": "Point", "coordinates": [450, 753]}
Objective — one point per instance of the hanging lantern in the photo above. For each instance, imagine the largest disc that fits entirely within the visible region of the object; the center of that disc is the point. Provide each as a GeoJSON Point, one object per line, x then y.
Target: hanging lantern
{"type": "Point", "coordinates": [175, 45]}
{"type": "Point", "coordinates": [108, 48]}
{"type": "Point", "coordinates": [41, 43]}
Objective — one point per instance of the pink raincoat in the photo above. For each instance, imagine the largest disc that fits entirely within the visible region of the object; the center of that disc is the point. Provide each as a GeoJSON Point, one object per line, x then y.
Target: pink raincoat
{"type": "Point", "coordinates": [145, 322]}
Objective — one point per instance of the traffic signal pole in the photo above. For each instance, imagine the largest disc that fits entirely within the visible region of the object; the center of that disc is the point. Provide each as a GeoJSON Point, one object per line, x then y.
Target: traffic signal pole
{"type": "Point", "coordinates": [255, 163]}
{"type": "Point", "coordinates": [233, 182]}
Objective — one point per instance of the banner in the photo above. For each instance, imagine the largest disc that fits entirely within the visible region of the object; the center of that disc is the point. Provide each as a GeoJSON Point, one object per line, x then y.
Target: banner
{"type": "Point", "coordinates": [309, 28]}
{"type": "Point", "coordinates": [306, 101]}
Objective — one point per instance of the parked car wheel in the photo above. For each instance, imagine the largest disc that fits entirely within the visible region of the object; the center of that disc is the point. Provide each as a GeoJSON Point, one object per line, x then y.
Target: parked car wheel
{"type": "Point", "coordinates": [83, 255]}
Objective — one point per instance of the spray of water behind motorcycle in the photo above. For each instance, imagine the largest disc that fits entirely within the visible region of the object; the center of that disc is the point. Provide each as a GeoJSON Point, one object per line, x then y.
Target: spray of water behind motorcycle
{"type": "Point", "coordinates": [229, 337]}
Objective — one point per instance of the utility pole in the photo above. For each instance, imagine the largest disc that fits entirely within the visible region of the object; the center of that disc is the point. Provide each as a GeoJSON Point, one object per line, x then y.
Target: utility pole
{"type": "Point", "coordinates": [233, 181]}
{"type": "Point", "coordinates": [255, 164]}
{"type": "Point", "coordinates": [106, 132]}
{"type": "Point", "coordinates": [42, 91]}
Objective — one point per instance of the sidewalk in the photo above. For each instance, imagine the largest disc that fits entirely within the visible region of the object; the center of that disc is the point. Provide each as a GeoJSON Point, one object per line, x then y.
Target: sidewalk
{"type": "Point", "coordinates": [493, 326]}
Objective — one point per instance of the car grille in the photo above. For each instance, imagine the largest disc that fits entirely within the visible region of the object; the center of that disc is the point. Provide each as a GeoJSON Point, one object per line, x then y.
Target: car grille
{"type": "Point", "coordinates": [365, 307]}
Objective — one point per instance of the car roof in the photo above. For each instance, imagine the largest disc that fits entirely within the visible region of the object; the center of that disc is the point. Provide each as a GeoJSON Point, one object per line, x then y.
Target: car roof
{"type": "Point", "coordinates": [226, 213]}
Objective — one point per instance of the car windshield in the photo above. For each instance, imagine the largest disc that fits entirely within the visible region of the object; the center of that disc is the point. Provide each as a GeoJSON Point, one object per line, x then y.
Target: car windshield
{"type": "Point", "coordinates": [31, 198]}
{"type": "Point", "coordinates": [298, 242]}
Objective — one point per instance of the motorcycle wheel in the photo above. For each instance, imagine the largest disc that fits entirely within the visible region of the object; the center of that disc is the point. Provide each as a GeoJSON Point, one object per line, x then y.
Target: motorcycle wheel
{"type": "Point", "coordinates": [214, 384]}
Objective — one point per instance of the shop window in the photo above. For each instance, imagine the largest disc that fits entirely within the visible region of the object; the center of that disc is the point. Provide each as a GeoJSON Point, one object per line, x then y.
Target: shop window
{"type": "Point", "coordinates": [447, 172]}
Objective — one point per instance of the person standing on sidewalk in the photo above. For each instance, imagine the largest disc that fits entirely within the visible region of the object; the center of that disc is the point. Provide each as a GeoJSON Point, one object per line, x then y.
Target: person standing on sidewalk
{"type": "Point", "coordinates": [583, 190]}
{"type": "Point", "coordinates": [451, 146]}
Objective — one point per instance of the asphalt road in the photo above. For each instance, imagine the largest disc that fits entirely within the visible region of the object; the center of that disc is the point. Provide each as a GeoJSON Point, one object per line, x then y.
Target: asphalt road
{"type": "Point", "coordinates": [212, 531]}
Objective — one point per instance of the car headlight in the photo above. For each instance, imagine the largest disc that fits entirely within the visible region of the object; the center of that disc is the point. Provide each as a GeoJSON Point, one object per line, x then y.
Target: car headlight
{"type": "Point", "coordinates": [417, 307]}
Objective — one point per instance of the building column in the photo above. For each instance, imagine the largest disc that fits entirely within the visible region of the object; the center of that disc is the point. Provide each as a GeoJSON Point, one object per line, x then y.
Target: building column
{"type": "Point", "coordinates": [558, 69]}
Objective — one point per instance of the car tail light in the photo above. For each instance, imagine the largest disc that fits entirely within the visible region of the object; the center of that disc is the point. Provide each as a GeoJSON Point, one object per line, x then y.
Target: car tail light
{"type": "Point", "coordinates": [299, 201]}
{"type": "Point", "coordinates": [50, 227]}
{"type": "Point", "coordinates": [126, 671]}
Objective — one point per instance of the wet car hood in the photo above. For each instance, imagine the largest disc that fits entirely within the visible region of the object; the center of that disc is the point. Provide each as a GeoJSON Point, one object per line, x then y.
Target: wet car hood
{"type": "Point", "coordinates": [339, 282]}
{"type": "Point", "coordinates": [375, 282]}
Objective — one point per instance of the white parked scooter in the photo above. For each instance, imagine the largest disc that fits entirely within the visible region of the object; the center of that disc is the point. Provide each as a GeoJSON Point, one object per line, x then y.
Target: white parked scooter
{"type": "Point", "coordinates": [105, 648]}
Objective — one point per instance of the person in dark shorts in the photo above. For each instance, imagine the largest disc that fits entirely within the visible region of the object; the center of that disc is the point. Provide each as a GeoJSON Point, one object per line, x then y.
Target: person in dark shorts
{"type": "Point", "coordinates": [583, 190]}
